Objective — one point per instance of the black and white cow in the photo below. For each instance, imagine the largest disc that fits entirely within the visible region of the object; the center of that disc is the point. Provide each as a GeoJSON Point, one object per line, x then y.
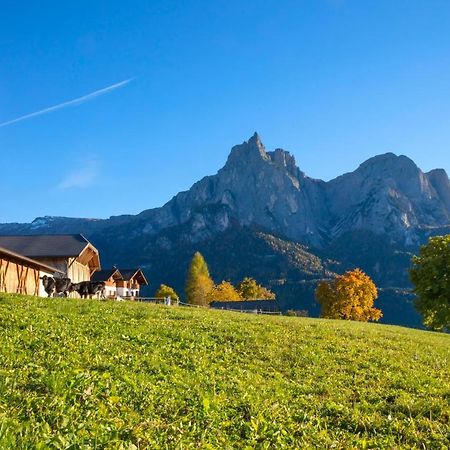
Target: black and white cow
{"type": "Point", "coordinates": [82, 288]}
{"type": "Point", "coordinates": [49, 284]}
{"type": "Point", "coordinates": [63, 285]}
{"type": "Point", "coordinates": [96, 287]}
{"type": "Point", "coordinates": [89, 288]}
{"type": "Point", "coordinates": [56, 285]}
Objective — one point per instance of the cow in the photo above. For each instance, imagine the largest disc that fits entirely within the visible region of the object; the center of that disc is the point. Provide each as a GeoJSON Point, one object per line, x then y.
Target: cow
{"type": "Point", "coordinates": [56, 285]}
{"type": "Point", "coordinates": [63, 285]}
{"type": "Point", "coordinates": [49, 284]}
{"type": "Point", "coordinates": [89, 288]}
{"type": "Point", "coordinates": [96, 287]}
{"type": "Point", "coordinates": [82, 288]}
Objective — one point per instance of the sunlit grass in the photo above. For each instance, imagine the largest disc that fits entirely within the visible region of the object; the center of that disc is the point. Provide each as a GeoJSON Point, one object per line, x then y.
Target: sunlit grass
{"type": "Point", "coordinates": [90, 374]}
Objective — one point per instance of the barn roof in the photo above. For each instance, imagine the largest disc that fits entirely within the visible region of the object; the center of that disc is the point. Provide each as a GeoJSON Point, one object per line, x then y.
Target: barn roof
{"type": "Point", "coordinates": [49, 245]}
{"type": "Point", "coordinates": [128, 274]}
{"type": "Point", "coordinates": [26, 261]}
{"type": "Point", "coordinates": [106, 274]}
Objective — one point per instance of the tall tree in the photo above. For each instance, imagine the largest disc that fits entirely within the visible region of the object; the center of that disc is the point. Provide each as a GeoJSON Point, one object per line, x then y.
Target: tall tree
{"type": "Point", "coordinates": [349, 296]}
{"type": "Point", "coordinates": [198, 283]}
{"type": "Point", "coordinates": [430, 275]}
{"type": "Point", "coordinates": [166, 291]}
{"type": "Point", "coordinates": [224, 291]}
{"type": "Point", "coordinates": [249, 289]}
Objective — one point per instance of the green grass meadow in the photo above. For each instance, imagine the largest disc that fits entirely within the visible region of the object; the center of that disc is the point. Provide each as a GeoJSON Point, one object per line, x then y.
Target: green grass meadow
{"type": "Point", "coordinates": [86, 374]}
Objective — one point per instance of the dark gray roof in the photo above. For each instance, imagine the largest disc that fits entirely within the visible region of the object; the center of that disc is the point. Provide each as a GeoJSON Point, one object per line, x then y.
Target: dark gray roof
{"type": "Point", "coordinates": [127, 274]}
{"type": "Point", "coordinates": [8, 254]}
{"type": "Point", "coordinates": [39, 246]}
{"type": "Point", "coordinates": [104, 275]}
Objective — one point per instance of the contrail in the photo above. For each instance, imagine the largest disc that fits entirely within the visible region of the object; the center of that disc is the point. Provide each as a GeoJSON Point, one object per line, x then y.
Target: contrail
{"type": "Point", "coordinates": [75, 101]}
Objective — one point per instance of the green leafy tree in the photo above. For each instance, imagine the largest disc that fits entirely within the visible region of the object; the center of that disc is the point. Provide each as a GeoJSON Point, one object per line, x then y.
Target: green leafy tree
{"type": "Point", "coordinates": [224, 291]}
{"type": "Point", "coordinates": [430, 275]}
{"type": "Point", "coordinates": [166, 291]}
{"type": "Point", "coordinates": [349, 296]}
{"type": "Point", "coordinates": [198, 283]}
{"type": "Point", "coordinates": [249, 289]}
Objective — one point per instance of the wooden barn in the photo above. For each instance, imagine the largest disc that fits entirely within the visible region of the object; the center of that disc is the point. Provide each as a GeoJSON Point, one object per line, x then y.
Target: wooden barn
{"type": "Point", "coordinates": [71, 254]}
{"type": "Point", "coordinates": [22, 275]}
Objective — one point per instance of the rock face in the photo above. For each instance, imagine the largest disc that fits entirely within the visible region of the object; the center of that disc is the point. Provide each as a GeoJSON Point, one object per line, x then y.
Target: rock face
{"type": "Point", "coordinates": [371, 217]}
{"type": "Point", "coordinates": [254, 187]}
{"type": "Point", "coordinates": [387, 195]}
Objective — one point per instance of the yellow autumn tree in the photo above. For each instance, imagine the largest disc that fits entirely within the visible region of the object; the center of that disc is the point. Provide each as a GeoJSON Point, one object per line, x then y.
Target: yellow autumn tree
{"type": "Point", "coordinates": [198, 283]}
{"type": "Point", "coordinates": [167, 291]}
{"type": "Point", "coordinates": [224, 291]}
{"type": "Point", "coordinates": [249, 289]}
{"type": "Point", "coordinates": [349, 296]}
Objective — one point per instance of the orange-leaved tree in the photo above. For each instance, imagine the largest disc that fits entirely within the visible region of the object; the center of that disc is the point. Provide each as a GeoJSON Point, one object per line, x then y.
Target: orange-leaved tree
{"type": "Point", "coordinates": [349, 296]}
{"type": "Point", "coordinates": [224, 291]}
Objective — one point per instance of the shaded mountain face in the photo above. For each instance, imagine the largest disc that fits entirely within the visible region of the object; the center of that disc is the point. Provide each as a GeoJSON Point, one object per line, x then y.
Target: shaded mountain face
{"type": "Point", "coordinates": [260, 215]}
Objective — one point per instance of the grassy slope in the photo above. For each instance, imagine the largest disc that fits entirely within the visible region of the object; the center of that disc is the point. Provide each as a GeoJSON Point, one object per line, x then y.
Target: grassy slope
{"type": "Point", "coordinates": [110, 375]}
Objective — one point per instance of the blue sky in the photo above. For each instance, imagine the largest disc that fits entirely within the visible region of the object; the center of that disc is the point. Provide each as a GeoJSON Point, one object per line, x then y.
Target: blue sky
{"type": "Point", "coordinates": [333, 81]}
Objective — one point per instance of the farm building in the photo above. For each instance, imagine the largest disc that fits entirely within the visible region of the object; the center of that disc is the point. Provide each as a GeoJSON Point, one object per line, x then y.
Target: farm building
{"type": "Point", "coordinates": [22, 275]}
{"type": "Point", "coordinates": [248, 305]}
{"type": "Point", "coordinates": [110, 277]}
{"type": "Point", "coordinates": [121, 282]}
{"type": "Point", "coordinates": [131, 282]}
{"type": "Point", "coordinates": [71, 254]}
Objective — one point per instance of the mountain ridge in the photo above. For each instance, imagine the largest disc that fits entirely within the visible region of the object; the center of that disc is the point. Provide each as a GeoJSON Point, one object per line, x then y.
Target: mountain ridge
{"type": "Point", "coordinates": [267, 188]}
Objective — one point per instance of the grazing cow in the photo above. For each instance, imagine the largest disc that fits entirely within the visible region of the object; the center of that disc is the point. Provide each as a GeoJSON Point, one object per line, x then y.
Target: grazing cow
{"type": "Point", "coordinates": [63, 285]}
{"type": "Point", "coordinates": [49, 284]}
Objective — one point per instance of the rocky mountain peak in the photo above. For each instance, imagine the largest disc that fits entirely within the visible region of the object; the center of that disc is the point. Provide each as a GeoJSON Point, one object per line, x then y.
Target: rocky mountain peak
{"type": "Point", "coordinates": [251, 151]}
{"type": "Point", "coordinates": [256, 140]}
{"type": "Point", "coordinates": [252, 154]}
{"type": "Point", "coordinates": [388, 163]}
{"type": "Point", "coordinates": [439, 175]}
{"type": "Point", "coordinates": [284, 159]}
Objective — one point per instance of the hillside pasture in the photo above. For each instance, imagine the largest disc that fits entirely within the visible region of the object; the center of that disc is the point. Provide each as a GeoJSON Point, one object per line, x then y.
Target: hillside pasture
{"type": "Point", "coordinates": [104, 375]}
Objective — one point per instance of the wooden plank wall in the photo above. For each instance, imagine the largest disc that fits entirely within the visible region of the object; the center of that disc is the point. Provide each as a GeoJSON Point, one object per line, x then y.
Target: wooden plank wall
{"type": "Point", "coordinates": [17, 278]}
{"type": "Point", "coordinates": [78, 272]}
